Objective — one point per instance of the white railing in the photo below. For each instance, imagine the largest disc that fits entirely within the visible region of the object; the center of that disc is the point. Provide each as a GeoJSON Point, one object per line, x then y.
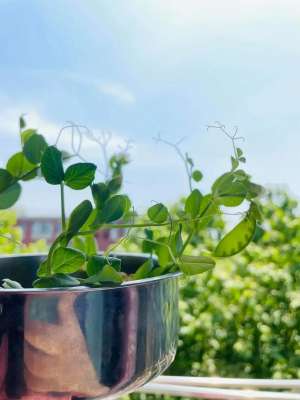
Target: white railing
{"type": "Point", "coordinates": [225, 388]}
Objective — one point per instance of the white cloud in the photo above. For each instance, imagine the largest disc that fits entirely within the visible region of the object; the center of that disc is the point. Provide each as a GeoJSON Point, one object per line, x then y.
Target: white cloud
{"type": "Point", "coordinates": [116, 90]}
{"type": "Point", "coordinates": [119, 92]}
{"type": "Point", "coordinates": [9, 120]}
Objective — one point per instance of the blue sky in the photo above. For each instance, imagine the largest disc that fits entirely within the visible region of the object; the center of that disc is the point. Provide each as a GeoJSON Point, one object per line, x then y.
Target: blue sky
{"type": "Point", "coordinates": [136, 68]}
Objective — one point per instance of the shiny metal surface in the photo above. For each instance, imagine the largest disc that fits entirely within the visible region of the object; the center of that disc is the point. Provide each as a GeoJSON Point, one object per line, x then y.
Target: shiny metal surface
{"type": "Point", "coordinates": [84, 343]}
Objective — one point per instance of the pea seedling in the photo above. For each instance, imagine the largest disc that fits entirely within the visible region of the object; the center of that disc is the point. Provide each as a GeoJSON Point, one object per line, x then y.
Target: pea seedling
{"type": "Point", "coordinates": [73, 258]}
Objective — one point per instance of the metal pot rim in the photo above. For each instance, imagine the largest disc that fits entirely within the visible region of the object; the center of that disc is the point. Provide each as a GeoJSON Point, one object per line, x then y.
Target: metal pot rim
{"type": "Point", "coordinates": [83, 289]}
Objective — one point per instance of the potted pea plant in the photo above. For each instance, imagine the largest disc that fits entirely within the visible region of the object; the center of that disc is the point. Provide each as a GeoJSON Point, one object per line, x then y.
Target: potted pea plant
{"type": "Point", "coordinates": [76, 323]}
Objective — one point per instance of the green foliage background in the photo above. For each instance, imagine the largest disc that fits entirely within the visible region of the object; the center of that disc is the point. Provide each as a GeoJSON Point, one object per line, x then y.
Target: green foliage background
{"type": "Point", "coordinates": [11, 236]}
{"type": "Point", "coordinates": [243, 319]}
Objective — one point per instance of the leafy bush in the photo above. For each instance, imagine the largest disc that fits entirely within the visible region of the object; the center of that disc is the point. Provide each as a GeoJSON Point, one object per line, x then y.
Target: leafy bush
{"type": "Point", "coordinates": [11, 236]}
{"type": "Point", "coordinates": [243, 318]}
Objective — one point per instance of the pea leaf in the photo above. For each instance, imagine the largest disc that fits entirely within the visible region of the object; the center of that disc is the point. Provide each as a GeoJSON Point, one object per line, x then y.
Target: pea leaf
{"type": "Point", "coordinates": [18, 166]}
{"type": "Point", "coordinates": [239, 152]}
{"type": "Point", "coordinates": [158, 213]}
{"type": "Point", "coordinates": [115, 184]}
{"type": "Point", "coordinates": [6, 179]}
{"type": "Point", "coordinates": [144, 270]}
{"type": "Point", "coordinates": [25, 135]}
{"type": "Point", "coordinates": [207, 206]}
{"type": "Point", "coordinates": [52, 166]}
{"type": "Point", "coordinates": [66, 260]}
{"type": "Point", "coordinates": [79, 216]}
{"type": "Point", "coordinates": [193, 265]}
{"type": "Point", "coordinates": [22, 123]}
{"type": "Point", "coordinates": [197, 175]}
{"type": "Point", "coordinates": [177, 242]}
{"type": "Point", "coordinates": [9, 196]}
{"type": "Point", "coordinates": [192, 203]}
{"type": "Point", "coordinates": [229, 191]}
{"type": "Point", "coordinates": [42, 271]}
{"type": "Point", "coordinates": [254, 190]}
{"type": "Point", "coordinates": [237, 239]}
{"type": "Point", "coordinates": [9, 284]}
{"type": "Point", "coordinates": [79, 176]}
{"type": "Point", "coordinates": [255, 211]}
{"type": "Point", "coordinates": [147, 245]}
{"type": "Point", "coordinates": [100, 194]}
{"type": "Point", "coordinates": [34, 148]}
{"type": "Point", "coordinates": [87, 244]}
{"type": "Point", "coordinates": [107, 275]}
{"type": "Point", "coordinates": [56, 281]}
{"type": "Point", "coordinates": [97, 263]}
{"type": "Point", "coordinates": [114, 208]}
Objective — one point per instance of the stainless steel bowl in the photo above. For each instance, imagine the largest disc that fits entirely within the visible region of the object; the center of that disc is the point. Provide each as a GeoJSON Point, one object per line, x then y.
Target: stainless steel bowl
{"type": "Point", "coordinates": [84, 343]}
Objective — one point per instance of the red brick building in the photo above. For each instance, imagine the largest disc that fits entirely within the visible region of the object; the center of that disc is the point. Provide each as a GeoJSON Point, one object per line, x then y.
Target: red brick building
{"type": "Point", "coordinates": [37, 228]}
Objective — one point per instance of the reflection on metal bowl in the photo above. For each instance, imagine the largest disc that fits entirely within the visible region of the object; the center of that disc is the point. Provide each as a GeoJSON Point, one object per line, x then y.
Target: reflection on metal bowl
{"type": "Point", "coordinates": [82, 343]}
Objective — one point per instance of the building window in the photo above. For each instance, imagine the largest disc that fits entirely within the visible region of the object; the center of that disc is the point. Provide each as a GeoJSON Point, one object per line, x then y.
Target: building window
{"type": "Point", "coordinates": [114, 234]}
{"type": "Point", "coordinates": [41, 230]}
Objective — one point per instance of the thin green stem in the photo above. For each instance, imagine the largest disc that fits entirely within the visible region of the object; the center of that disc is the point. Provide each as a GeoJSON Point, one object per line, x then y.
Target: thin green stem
{"type": "Point", "coordinates": [187, 241]}
{"type": "Point", "coordinates": [143, 225]}
{"type": "Point", "coordinates": [62, 203]}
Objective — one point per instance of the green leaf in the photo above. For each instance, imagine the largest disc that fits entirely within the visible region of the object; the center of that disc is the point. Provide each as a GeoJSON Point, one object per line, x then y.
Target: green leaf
{"type": "Point", "coordinates": [229, 191]}
{"type": "Point", "coordinates": [87, 244]}
{"type": "Point", "coordinates": [10, 196]}
{"type": "Point", "coordinates": [6, 179]}
{"type": "Point", "coordinates": [52, 166]}
{"type": "Point", "coordinates": [34, 148]}
{"type": "Point", "coordinates": [22, 123]}
{"type": "Point", "coordinates": [79, 176]}
{"type": "Point", "coordinates": [25, 135]}
{"type": "Point", "coordinates": [114, 185]}
{"type": "Point", "coordinates": [78, 243]}
{"type": "Point", "coordinates": [254, 190]}
{"type": "Point", "coordinates": [100, 194]}
{"type": "Point", "coordinates": [128, 203]}
{"type": "Point", "coordinates": [18, 166]}
{"type": "Point", "coordinates": [114, 208]}
{"type": "Point", "coordinates": [241, 175]}
{"type": "Point", "coordinates": [177, 242]}
{"type": "Point", "coordinates": [9, 284]}
{"type": "Point", "coordinates": [237, 239]}
{"type": "Point", "coordinates": [193, 265]}
{"type": "Point", "coordinates": [43, 270]}
{"type": "Point", "coordinates": [192, 203]}
{"type": "Point", "coordinates": [147, 246]}
{"type": "Point", "coordinates": [197, 175]}
{"type": "Point", "coordinates": [239, 152]}
{"type": "Point", "coordinates": [107, 275]}
{"type": "Point", "coordinates": [97, 263]}
{"type": "Point", "coordinates": [144, 270]}
{"type": "Point", "coordinates": [56, 281]}
{"type": "Point", "coordinates": [66, 260]}
{"type": "Point", "coordinates": [162, 251]}
{"type": "Point", "coordinates": [242, 159]}
{"type": "Point", "coordinates": [255, 212]}
{"type": "Point", "coordinates": [79, 216]}
{"type": "Point", "coordinates": [158, 213]}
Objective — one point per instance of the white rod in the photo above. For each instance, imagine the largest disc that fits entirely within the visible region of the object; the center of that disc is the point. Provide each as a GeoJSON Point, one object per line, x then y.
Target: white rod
{"type": "Point", "coordinates": [216, 394]}
{"type": "Point", "coordinates": [229, 382]}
